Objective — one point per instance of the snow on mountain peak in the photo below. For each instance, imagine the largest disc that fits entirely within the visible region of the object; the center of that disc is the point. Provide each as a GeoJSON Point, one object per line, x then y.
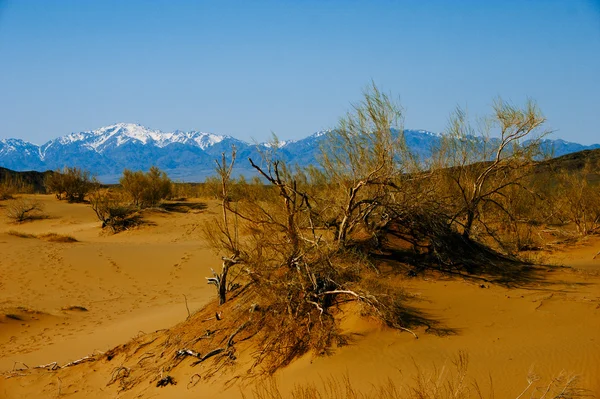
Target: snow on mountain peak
{"type": "Point", "coordinates": [122, 133]}
{"type": "Point", "coordinates": [321, 133]}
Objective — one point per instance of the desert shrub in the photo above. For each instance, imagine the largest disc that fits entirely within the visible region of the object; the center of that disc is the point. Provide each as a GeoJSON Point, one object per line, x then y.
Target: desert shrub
{"type": "Point", "coordinates": [6, 191]}
{"type": "Point", "coordinates": [146, 189]}
{"type": "Point", "coordinates": [70, 183]}
{"type": "Point", "coordinates": [15, 184]}
{"type": "Point", "coordinates": [296, 276]}
{"type": "Point", "coordinates": [11, 185]}
{"type": "Point", "coordinates": [112, 210]}
{"type": "Point", "coordinates": [308, 243]}
{"type": "Point", "coordinates": [211, 187]}
{"type": "Point", "coordinates": [478, 169]}
{"type": "Point", "coordinates": [577, 200]}
{"type": "Point", "coordinates": [183, 191]}
{"type": "Point", "coordinates": [23, 209]}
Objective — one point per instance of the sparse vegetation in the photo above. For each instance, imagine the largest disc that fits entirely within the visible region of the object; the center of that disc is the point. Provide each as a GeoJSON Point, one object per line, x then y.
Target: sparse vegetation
{"type": "Point", "coordinates": [11, 185]}
{"type": "Point", "coordinates": [478, 175]}
{"type": "Point", "coordinates": [70, 183]}
{"type": "Point", "coordinates": [312, 239]}
{"type": "Point", "coordinates": [302, 247]}
{"type": "Point", "coordinates": [112, 210]}
{"type": "Point", "coordinates": [20, 234]}
{"type": "Point", "coordinates": [298, 266]}
{"type": "Point", "coordinates": [23, 209]}
{"type": "Point", "coordinates": [577, 200]}
{"type": "Point", "coordinates": [6, 190]}
{"type": "Point", "coordinates": [52, 237]}
{"type": "Point", "coordinates": [448, 382]}
{"type": "Point", "coordinates": [146, 190]}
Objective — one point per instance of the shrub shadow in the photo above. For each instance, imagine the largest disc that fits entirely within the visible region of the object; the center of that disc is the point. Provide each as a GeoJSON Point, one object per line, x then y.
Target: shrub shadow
{"type": "Point", "coordinates": [183, 207]}
{"type": "Point", "coordinates": [469, 260]}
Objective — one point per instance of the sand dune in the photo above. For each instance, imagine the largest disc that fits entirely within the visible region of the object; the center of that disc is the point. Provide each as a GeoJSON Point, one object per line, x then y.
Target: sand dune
{"type": "Point", "coordinates": [63, 301]}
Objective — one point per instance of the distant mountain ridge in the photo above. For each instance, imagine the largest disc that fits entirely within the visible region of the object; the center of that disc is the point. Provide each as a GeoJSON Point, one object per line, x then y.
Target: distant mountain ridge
{"type": "Point", "coordinates": [187, 156]}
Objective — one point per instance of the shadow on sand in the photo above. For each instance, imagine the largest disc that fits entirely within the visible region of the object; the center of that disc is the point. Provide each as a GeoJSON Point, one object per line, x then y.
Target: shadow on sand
{"type": "Point", "coordinates": [183, 207]}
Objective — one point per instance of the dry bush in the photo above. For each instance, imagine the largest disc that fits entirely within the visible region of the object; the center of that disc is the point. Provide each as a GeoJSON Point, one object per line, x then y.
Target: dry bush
{"type": "Point", "coordinates": [577, 200]}
{"type": "Point", "coordinates": [297, 271]}
{"type": "Point", "coordinates": [9, 186]}
{"type": "Point", "coordinates": [477, 171]}
{"type": "Point", "coordinates": [300, 249]}
{"type": "Point", "coordinates": [23, 209]}
{"type": "Point", "coordinates": [70, 183]}
{"type": "Point", "coordinates": [361, 164]}
{"type": "Point", "coordinates": [181, 191]}
{"type": "Point", "coordinates": [146, 189]}
{"type": "Point", "coordinates": [112, 210]}
{"type": "Point", "coordinates": [7, 190]}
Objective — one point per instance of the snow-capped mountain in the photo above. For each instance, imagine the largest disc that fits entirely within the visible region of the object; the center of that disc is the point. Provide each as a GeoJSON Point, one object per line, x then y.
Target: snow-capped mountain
{"type": "Point", "coordinates": [187, 156]}
{"type": "Point", "coordinates": [17, 154]}
{"type": "Point", "coordinates": [113, 136]}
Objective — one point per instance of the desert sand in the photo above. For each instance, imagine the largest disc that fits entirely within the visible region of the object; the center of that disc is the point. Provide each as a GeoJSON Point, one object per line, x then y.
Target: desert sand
{"type": "Point", "coordinates": [62, 301]}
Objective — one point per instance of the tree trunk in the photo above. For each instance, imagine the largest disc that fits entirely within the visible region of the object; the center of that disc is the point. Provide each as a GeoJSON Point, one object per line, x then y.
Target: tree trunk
{"type": "Point", "coordinates": [469, 223]}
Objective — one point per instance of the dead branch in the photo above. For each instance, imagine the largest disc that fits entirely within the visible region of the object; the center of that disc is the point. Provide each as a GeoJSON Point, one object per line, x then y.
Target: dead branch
{"type": "Point", "coordinates": [187, 307]}
{"type": "Point", "coordinates": [236, 332]}
{"type": "Point", "coordinates": [193, 383]}
{"type": "Point", "coordinates": [14, 374]}
{"type": "Point", "coordinates": [408, 330]}
{"type": "Point", "coordinates": [145, 356]}
{"type": "Point", "coordinates": [119, 373]}
{"type": "Point", "coordinates": [78, 361]}
{"type": "Point", "coordinates": [209, 355]}
{"type": "Point", "coordinates": [51, 366]}
{"type": "Point", "coordinates": [15, 365]}
{"type": "Point", "coordinates": [187, 352]}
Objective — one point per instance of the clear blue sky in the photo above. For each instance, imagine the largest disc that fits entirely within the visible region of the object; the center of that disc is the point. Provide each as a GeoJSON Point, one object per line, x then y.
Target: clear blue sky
{"type": "Point", "coordinates": [249, 68]}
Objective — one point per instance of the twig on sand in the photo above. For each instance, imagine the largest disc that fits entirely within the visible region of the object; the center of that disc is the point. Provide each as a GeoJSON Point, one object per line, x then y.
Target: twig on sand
{"type": "Point", "coordinates": [181, 353]}
{"type": "Point", "coordinates": [119, 373]}
{"type": "Point", "coordinates": [14, 374]}
{"type": "Point", "coordinates": [193, 383]}
{"type": "Point", "coordinates": [187, 307]}
{"type": "Point", "coordinates": [15, 365]}
{"type": "Point", "coordinates": [78, 361]}
{"type": "Point", "coordinates": [50, 366]}
{"type": "Point", "coordinates": [55, 366]}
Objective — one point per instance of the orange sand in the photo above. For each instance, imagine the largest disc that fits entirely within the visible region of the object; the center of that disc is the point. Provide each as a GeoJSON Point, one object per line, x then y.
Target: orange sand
{"type": "Point", "coordinates": [134, 283]}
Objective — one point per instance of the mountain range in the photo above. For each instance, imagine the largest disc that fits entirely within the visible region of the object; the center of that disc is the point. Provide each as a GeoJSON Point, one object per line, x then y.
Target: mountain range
{"type": "Point", "coordinates": [185, 156]}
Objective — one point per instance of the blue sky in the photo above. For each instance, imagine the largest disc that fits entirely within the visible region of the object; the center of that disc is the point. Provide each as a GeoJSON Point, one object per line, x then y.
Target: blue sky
{"type": "Point", "coordinates": [249, 68]}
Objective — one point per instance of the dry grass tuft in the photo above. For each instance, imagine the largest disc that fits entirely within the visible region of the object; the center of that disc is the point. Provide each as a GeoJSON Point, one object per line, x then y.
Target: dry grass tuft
{"type": "Point", "coordinates": [51, 237]}
{"type": "Point", "coordinates": [447, 382]}
{"type": "Point", "coordinates": [20, 234]}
